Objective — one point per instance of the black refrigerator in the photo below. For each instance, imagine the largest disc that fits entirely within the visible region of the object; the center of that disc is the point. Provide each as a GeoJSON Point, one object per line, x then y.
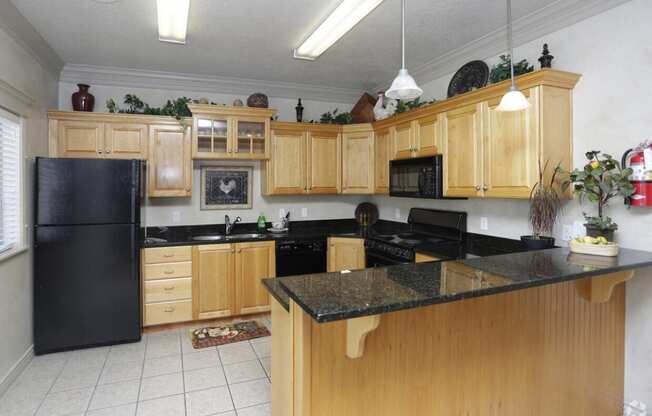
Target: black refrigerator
{"type": "Point", "coordinates": [86, 255]}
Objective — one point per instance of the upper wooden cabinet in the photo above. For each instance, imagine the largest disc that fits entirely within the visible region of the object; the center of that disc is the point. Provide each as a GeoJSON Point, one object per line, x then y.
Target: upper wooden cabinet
{"type": "Point", "coordinates": [169, 167]}
{"type": "Point", "coordinates": [96, 135]}
{"type": "Point", "coordinates": [382, 156]}
{"type": "Point", "coordinates": [417, 138]}
{"type": "Point", "coordinates": [305, 159]}
{"type": "Point", "coordinates": [493, 154]}
{"type": "Point", "coordinates": [227, 278]}
{"type": "Point", "coordinates": [223, 132]}
{"type": "Point", "coordinates": [358, 159]}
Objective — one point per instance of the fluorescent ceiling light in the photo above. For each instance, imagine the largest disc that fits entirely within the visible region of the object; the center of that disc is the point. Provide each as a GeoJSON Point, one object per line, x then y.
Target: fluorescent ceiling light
{"type": "Point", "coordinates": [172, 20]}
{"type": "Point", "coordinates": [348, 14]}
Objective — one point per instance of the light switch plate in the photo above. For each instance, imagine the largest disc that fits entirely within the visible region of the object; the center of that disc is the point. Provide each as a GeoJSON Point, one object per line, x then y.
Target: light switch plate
{"type": "Point", "coordinates": [176, 217]}
{"type": "Point", "coordinates": [397, 213]}
{"type": "Point", "coordinates": [304, 212]}
{"type": "Point", "coordinates": [281, 213]}
{"type": "Point", "coordinates": [484, 223]}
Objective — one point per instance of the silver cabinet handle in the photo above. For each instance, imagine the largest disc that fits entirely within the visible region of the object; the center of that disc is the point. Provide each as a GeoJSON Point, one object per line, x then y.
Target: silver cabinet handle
{"type": "Point", "coordinates": [168, 255]}
{"type": "Point", "coordinates": [99, 152]}
{"type": "Point", "coordinates": [169, 272]}
{"type": "Point", "coordinates": [108, 150]}
{"type": "Point", "coordinates": [485, 188]}
{"type": "Point", "coordinates": [477, 188]}
{"type": "Point", "coordinates": [168, 310]}
{"type": "Point", "coordinates": [168, 288]}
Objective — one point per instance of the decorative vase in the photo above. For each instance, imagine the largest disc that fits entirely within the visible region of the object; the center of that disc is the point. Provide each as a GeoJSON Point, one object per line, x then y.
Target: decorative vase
{"type": "Point", "coordinates": [258, 100]}
{"type": "Point", "coordinates": [299, 109]}
{"type": "Point", "coordinates": [593, 231]}
{"type": "Point", "coordinates": [546, 58]}
{"type": "Point", "coordinates": [540, 243]}
{"type": "Point", "coordinates": [82, 100]}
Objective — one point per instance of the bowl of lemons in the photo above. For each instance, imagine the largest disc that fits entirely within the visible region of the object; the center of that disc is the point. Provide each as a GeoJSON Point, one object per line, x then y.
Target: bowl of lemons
{"type": "Point", "coordinates": [596, 246]}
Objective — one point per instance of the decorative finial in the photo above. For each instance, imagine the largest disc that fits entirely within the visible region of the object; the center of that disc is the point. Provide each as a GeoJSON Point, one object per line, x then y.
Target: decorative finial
{"type": "Point", "coordinates": [299, 109]}
{"type": "Point", "coordinates": [546, 58]}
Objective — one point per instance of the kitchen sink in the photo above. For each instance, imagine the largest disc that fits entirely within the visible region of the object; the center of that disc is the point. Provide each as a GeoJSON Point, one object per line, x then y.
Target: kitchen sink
{"type": "Point", "coordinates": [209, 237]}
{"type": "Point", "coordinates": [250, 235]}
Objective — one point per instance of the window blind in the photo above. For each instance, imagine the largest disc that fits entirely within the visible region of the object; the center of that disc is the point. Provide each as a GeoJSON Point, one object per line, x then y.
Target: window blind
{"type": "Point", "coordinates": [10, 182]}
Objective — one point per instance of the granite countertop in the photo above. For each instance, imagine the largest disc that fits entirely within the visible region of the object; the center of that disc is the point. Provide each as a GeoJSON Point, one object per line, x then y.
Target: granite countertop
{"type": "Point", "coordinates": [336, 296]}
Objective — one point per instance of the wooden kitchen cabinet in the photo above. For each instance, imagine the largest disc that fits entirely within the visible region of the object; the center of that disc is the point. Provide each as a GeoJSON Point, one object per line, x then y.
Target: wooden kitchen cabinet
{"type": "Point", "coordinates": [305, 159]}
{"type": "Point", "coordinates": [224, 132]}
{"type": "Point", "coordinates": [213, 281]}
{"type": "Point", "coordinates": [227, 278]}
{"type": "Point", "coordinates": [382, 155]}
{"type": "Point", "coordinates": [357, 159]}
{"type": "Point", "coordinates": [254, 262]}
{"type": "Point", "coordinates": [346, 254]}
{"type": "Point", "coordinates": [403, 140]}
{"type": "Point", "coordinates": [97, 135]}
{"type": "Point", "coordinates": [463, 151]}
{"type": "Point", "coordinates": [170, 167]}
{"type": "Point", "coordinates": [417, 138]}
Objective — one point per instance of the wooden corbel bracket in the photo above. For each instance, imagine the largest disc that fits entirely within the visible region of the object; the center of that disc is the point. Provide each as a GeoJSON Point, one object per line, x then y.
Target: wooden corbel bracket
{"type": "Point", "coordinates": [598, 289]}
{"type": "Point", "coordinates": [357, 330]}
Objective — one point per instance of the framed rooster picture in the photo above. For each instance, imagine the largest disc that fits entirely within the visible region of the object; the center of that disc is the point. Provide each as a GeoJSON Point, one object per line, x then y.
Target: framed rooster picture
{"type": "Point", "coordinates": [226, 187]}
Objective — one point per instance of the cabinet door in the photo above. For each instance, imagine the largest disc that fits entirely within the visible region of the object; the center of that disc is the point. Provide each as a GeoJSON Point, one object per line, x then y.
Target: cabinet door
{"type": "Point", "coordinates": [403, 141]}
{"type": "Point", "coordinates": [170, 166]}
{"type": "Point", "coordinates": [462, 152]}
{"type": "Point", "coordinates": [213, 281]}
{"type": "Point", "coordinates": [254, 262]}
{"type": "Point", "coordinates": [345, 254]}
{"type": "Point", "coordinates": [510, 149]}
{"type": "Point", "coordinates": [323, 163]}
{"type": "Point", "coordinates": [287, 166]}
{"type": "Point", "coordinates": [250, 138]}
{"type": "Point", "coordinates": [427, 136]}
{"type": "Point", "coordinates": [382, 141]}
{"type": "Point", "coordinates": [210, 137]}
{"type": "Point", "coordinates": [125, 141]}
{"type": "Point", "coordinates": [83, 139]}
{"type": "Point", "coordinates": [357, 163]}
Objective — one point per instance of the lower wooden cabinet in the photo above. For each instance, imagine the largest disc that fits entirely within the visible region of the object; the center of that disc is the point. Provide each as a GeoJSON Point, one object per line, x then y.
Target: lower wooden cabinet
{"type": "Point", "coordinates": [227, 278]}
{"type": "Point", "coordinates": [345, 254]}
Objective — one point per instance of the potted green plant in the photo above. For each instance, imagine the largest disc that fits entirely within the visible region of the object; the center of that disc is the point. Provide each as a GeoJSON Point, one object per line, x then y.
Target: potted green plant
{"type": "Point", "coordinates": [545, 205]}
{"type": "Point", "coordinates": [601, 180]}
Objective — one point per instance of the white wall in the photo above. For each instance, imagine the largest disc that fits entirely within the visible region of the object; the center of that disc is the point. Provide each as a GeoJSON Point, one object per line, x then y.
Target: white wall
{"type": "Point", "coordinates": [157, 98]}
{"type": "Point", "coordinates": [24, 77]}
{"type": "Point", "coordinates": [612, 107]}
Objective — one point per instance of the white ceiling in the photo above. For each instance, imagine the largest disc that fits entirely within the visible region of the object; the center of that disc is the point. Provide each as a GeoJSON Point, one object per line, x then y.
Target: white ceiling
{"type": "Point", "coordinates": [253, 38]}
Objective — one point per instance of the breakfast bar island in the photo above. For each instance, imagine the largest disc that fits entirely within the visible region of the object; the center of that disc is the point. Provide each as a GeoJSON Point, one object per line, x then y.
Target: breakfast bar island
{"type": "Point", "coordinates": [533, 333]}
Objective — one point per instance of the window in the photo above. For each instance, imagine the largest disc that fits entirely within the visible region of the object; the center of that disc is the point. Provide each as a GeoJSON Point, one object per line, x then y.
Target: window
{"type": "Point", "coordinates": [10, 182]}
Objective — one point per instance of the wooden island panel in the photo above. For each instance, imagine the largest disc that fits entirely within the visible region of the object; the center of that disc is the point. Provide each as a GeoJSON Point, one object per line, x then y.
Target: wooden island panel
{"type": "Point", "coordinates": [539, 351]}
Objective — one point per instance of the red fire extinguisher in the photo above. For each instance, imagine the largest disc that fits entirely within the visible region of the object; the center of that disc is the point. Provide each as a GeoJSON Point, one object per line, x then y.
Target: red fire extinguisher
{"type": "Point", "coordinates": [639, 160]}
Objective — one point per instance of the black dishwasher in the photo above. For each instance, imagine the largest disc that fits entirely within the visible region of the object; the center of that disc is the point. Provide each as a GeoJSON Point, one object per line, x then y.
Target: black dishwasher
{"type": "Point", "coordinates": [294, 257]}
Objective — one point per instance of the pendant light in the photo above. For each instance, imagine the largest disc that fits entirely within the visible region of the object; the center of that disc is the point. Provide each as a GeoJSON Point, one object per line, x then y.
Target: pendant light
{"type": "Point", "coordinates": [514, 100]}
{"type": "Point", "coordinates": [404, 87]}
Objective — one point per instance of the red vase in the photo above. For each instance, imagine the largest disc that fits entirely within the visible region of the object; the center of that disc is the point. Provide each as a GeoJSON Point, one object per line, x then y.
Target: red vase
{"type": "Point", "coordinates": [82, 100]}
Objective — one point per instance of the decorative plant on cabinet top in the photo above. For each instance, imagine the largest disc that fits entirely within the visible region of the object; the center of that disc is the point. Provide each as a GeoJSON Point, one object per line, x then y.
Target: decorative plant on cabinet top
{"type": "Point", "coordinates": [601, 180]}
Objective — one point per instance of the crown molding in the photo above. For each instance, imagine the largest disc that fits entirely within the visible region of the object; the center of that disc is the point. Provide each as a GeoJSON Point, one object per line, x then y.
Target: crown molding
{"type": "Point", "coordinates": [555, 16]}
{"type": "Point", "coordinates": [126, 77]}
{"type": "Point", "coordinates": [23, 33]}
{"type": "Point", "coordinates": [16, 93]}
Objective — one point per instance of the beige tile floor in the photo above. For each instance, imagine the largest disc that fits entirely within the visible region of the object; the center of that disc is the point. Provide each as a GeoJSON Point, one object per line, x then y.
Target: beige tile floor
{"type": "Point", "coordinates": [163, 375]}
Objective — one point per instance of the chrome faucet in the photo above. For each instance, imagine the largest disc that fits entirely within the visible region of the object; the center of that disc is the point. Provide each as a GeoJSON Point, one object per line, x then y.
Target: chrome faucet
{"type": "Point", "coordinates": [228, 225]}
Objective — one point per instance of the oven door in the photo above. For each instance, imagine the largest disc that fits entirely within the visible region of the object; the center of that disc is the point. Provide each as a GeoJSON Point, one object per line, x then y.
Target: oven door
{"type": "Point", "coordinates": [379, 260]}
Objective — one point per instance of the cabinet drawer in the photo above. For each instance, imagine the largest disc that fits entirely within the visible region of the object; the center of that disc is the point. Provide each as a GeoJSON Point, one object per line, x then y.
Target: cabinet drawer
{"type": "Point", "coordinates": [168, 290]}
{"type": "Point", "coordinates": [167, 254]}
{"type": "Point", "coordinates": [168, 312]}
{"type": "Point", "coordinates": [168, 270]}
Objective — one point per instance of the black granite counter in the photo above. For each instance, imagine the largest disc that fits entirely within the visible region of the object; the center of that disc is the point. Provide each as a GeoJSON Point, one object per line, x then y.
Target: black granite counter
{"type": "Point", "coordinates": [335, 296]}
{"type": "Point", "coordinates": [183, 235]}
{"type": "Point", "coordinates": [275, 289]}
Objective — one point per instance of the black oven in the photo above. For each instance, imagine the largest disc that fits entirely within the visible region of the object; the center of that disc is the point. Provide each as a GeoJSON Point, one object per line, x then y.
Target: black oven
{"type": "Point", "coordinates": [417, 178]}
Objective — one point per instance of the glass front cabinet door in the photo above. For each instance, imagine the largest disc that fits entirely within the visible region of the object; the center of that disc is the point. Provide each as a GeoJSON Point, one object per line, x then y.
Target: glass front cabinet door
{"type": "Point", "coordinates": [221, 132]}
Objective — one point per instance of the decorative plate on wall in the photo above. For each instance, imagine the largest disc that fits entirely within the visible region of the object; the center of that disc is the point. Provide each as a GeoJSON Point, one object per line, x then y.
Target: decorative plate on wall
{"type": "Point", "coordinates": [469, 77]}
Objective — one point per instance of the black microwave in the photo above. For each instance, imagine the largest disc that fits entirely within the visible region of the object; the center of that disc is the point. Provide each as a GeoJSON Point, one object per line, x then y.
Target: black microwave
{"type": "Point", "coordinates": [417, 178]}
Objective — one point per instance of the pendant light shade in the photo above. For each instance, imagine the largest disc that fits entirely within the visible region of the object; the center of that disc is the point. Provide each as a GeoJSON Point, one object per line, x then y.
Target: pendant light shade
{"type": "Point", "coordinates": [404, 87]}
{"type": "Point", "coordinates": [514, 100]}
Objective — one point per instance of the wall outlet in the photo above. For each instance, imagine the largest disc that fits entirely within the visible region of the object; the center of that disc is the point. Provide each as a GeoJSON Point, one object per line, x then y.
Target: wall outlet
{"type": "Point", "coordinates": [397, 213]}
{"type": "Point", "coordinates": [176, 217]}
{"type": "Point", "coordinates": [567, 233]}
{"type": "Point", "coordinates": [484, 223]}
{"type": "Point", "coordinates": [304, 212]}
{"type": "Point", "coordinates": [281, 213]}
